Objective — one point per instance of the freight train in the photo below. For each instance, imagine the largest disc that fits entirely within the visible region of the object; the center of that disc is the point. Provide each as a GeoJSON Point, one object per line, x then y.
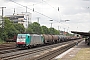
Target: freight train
{"type": "Point", "coordinates": [29, 40]}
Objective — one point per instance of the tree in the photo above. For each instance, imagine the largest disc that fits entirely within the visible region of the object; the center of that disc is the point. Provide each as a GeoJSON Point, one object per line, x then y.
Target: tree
{"type": "Point", "coordinates": [53, 31]}
{"type": "Point", "coordinates": [34, 28]}
{"type": "Point", "coordinates": [19, 27]}
{"type": "Point", "coordinates": [9, 28]}
{"type": "Point", "coordinates": [44, 30]}
{"type": "Point", "coordinates": [56, 32]}
{"type": "Point", "coordinates": [29, 30]}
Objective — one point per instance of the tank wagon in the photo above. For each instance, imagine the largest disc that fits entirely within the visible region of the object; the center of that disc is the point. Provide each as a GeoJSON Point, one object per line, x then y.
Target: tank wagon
{"type": "Point", "coordinates": [55, 38]}
{"type": "Point", "coordinates": [29, 40]}
{"type": "Point", "coordinates": [47, 39]}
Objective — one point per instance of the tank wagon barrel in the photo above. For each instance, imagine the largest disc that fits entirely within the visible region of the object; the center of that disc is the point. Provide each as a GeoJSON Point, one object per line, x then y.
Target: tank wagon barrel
{"type": "Point", "coordinates": [55, 38]}
{"type": "Point", "coordinates": [47, 38]}
{"type": "Point", "coordinates": [50, 38]}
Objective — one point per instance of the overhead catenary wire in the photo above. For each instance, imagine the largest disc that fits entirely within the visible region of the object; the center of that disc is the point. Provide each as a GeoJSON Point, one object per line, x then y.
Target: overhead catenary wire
{"type": "Point", "coordinates": [49, 5]}
{"type": "Point", "coordinates": [36, 3]}
{"type": "Point", "coordinates": [58, 10]}
{"type": "Point", "coordinates": [33, 10]}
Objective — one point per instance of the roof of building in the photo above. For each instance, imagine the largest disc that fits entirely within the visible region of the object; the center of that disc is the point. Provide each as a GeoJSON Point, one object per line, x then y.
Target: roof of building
{"type": "Point", "coordinates": [14, 15]}
{"type": "Point", "coordinates": [81, 33]}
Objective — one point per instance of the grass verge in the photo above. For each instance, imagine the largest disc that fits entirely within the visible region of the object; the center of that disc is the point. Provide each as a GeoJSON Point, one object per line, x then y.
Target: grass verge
{"type": "Point", "coordinates": [83, 54]}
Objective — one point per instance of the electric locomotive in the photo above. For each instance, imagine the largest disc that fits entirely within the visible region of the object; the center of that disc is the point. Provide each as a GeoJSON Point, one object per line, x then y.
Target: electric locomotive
{"type": "Point", "coordinates": [28, 40]}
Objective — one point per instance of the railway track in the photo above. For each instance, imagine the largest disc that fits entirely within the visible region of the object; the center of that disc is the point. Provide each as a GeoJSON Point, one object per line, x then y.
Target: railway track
{"type": "Point", "coordinates": [6, 46]}
{"type": "Point", "coordinates": [26, 52]}
{"type": "Point", "coordinates": [30, 52]}
{"type": "Point", "coordinates": [54, 52]}
{"type": "Point", "coordinates": [10, 50]}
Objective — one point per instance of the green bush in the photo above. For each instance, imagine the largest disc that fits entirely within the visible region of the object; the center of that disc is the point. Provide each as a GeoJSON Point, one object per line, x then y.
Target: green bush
{"type": "Point", "coordinates": [1, 41]}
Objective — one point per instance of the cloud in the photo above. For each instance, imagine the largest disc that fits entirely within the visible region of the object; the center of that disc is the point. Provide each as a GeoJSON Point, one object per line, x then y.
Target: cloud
{"type": "Point", "coordinates": [23, 0]}
{"type": "Point", "coordinates": [86, 0]}
{"type": "Point", "coordinates": [76, 11]}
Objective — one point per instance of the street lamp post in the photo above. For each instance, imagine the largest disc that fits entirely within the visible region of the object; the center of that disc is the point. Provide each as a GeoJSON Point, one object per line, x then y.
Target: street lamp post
{"type": "Point", "coordinates": [2, 17]}
{"type": "Point", "coordinates": [51, 23]}
{"type": "Point", "coordinates": [51, 26]}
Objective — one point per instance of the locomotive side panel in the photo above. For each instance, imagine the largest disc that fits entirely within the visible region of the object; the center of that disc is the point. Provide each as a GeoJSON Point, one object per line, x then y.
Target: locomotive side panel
{"type": "Point", "coordinates": [36, 39]}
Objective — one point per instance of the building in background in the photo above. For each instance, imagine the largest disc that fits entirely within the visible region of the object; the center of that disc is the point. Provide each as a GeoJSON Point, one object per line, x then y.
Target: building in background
{"type": "Point", "coordinates": [24, 19]}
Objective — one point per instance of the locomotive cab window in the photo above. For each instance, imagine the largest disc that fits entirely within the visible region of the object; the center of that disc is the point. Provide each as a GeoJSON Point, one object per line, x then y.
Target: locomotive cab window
{"type": "Point", "coordinates": [28, 36]}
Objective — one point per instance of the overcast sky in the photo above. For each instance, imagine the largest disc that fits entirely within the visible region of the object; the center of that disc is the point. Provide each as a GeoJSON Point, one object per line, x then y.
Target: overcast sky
{"type": "Point", "coordinates": [77, 11]}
